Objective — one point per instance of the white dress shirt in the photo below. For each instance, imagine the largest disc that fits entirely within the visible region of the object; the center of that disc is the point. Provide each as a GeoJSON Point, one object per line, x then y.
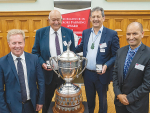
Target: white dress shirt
{"type": "Point", "coordinates": [25, 71]}
{"type": "Point", "coordinates": [52, 46]}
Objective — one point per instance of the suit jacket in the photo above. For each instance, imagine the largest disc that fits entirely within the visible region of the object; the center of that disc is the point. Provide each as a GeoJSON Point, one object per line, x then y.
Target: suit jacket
{"type": "Point", "coordinates": [10, 97]}
{"type": "Point", "coordinates": [112, 41]}
{"type": "Point", "coordinates": [137, 82]}
{"type": "Point", "coordinates": [41, 47]}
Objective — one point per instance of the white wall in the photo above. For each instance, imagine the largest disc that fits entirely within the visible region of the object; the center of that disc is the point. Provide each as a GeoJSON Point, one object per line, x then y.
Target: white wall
{"type": "Point", "coordinates": [121, 5]}
{"type": "Point", "coordinates": [39, 5]}
{"type": "Point", "coordinates": [45, 5]}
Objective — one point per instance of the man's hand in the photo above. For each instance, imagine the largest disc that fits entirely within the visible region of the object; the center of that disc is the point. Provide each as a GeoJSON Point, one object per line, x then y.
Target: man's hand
{"type": "Point", "coordinates": [123, 99]}
{"type": "Point", "coordinates": [45, 67]}
{"type": "Point", "coordinates": [103, 69]}
{"type": "Point", "coordinates": [38, 107]}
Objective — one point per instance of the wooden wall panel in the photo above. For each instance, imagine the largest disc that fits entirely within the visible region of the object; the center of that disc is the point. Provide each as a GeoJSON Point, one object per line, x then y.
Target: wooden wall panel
{"type": "Point", "coordinates": [24, 25]}
{"type": "Point", "coordinates": [30, 21]}
{"type": "Point", "coordinates": [107, 23]}
{"type": "Point", "coordinates": [37, 24]}
{"type": "Point", "coordinates": [118, 24]}
{"type": "Point", "coordinates": [10, 24]}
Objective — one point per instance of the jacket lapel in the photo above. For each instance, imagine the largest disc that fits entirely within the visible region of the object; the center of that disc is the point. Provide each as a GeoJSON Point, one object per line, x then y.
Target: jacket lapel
{"type": "Point", "coordinates": [87, 36]}
{"type": "Point", "coordinates": [103, 37]}
{"type": "Point", "coordinates": [64, 38]}
{"type": "Point", "coordinates": [122, 61]}
{"type": "Point", "coordinates": [12, 64]}
{"type": "Point", "coordinates": [135, 59]}
{"type": "Point", "coordinates": [27, 60]}
{"type": "Point", "coordinates": [46, 40]}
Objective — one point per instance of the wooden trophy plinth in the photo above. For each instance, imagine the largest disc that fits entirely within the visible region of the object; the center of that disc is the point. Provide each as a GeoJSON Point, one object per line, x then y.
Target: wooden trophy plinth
{"type": "Point", "coordinates": [71, 103]}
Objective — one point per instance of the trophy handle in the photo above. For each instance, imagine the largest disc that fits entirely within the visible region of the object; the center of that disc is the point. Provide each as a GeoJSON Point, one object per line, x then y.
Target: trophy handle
{"type": "Point", "coordinates": [83, 58]}
{"type": "Point", "coordinates": [50, 60]}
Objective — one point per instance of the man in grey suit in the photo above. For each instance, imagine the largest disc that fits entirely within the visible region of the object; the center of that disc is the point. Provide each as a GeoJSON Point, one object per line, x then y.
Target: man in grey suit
{"type": "Point", "coordinates": [131, 75]}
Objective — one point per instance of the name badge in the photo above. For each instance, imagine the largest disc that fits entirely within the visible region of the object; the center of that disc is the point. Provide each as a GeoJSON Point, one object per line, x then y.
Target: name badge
{"type": "Point", "coordinates": [65, 43]}
{"type": "Point", "coordinates": [103, 45]}
{"type": "Point", "coordinates": [102, 50]}
{"type": "Point", "coordinates": [139, 66]}
{"type": "Point", "coordinates": [99, 68]}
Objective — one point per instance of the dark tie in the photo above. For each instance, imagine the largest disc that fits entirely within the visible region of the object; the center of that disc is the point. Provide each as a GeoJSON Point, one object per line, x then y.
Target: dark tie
{"type": "Point", "coordinates": [22, 80]}
{"type": "Point", "coordinates": [127, 63]}
{"type": "Point", "coordinates": [57, 44]}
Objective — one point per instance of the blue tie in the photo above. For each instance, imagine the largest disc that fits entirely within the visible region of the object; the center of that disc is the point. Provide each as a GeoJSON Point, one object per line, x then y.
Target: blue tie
{"type": "Point", "coordinates": [127, 63]}
{"type": "Point", "coordinates": [57, 44]}
{"type": "Point", "coordinates": [22, 80]}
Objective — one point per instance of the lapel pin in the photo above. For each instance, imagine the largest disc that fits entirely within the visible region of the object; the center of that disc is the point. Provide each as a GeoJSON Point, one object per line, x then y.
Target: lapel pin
{"type": "Point", "coordinates": [64, 36]}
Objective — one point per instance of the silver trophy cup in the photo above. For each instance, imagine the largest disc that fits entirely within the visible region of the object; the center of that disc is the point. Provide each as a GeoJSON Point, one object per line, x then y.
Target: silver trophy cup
{"type": "Point", "coordinates": [68, 96]}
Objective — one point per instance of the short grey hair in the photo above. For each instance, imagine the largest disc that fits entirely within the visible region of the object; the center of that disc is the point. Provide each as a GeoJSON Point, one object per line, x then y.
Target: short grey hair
{"type": "Point", "coordinates": [98, 9]}
{"type": "Point", "coordinates": [15, 32]}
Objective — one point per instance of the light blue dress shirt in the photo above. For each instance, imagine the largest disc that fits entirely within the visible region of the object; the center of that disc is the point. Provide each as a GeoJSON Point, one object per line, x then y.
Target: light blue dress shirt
{"type": "Point", "coordinates": [92, 53]}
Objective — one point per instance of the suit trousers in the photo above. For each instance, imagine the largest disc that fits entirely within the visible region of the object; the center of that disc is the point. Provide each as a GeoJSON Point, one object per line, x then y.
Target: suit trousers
{"type": "Point", "coordinates": [121, 109]}
{"type": "Point", "coordinates": [50, 89]}
{"type": "Point", "coordinates": [93, 84]}
{"type": "Point", "coordinates": [27, 107]}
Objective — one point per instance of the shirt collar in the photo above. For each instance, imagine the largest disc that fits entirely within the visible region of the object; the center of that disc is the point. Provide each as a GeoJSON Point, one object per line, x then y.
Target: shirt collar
{"type": "Point", "coordinates": [100, 30]}
{"type": "Point", "coordinates": [14, 57]}
{"type": "Point", "coordinates": [134, 50]}
{"type": "Point", "coordinates": [52, 31]}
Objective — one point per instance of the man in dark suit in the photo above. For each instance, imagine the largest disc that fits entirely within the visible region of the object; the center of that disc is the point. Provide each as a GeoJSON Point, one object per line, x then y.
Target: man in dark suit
{"type": "Point", "coordinates": [20, 75]}
{"type": "Point", "coordinates": [131, 75]}
{"type": "Point", "coordinates": [99, 45]}
{"type": "Point", "coordinates": [46, 46]}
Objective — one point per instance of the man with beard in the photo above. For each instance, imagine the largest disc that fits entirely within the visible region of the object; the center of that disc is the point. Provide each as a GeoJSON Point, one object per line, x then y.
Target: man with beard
{"type": "Point", "coordinates": [49, 42]}
{"type": "Point", "coordinates": [99, 45]}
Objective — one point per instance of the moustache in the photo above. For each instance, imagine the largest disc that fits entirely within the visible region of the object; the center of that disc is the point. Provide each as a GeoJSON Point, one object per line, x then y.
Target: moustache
{"type": "Point", "coordinates": [95, 21]}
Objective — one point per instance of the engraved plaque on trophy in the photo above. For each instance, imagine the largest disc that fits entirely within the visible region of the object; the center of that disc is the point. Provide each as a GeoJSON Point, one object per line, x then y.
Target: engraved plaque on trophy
{"type": "Point", "coordinates": [68, 97]}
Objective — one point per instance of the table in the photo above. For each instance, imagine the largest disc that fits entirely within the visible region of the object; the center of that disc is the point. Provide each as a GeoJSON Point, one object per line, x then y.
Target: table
{"type": "Point", "coordinates": [84, 103]}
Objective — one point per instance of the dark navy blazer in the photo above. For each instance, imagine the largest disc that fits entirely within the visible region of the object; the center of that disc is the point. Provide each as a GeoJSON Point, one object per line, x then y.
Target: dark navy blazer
{"type": "Point", "coordinates": [112, 41]}
{"type": "Point", "coordinates": [10, 98]}
{"type": "Point", "coordinates": [41, 47]}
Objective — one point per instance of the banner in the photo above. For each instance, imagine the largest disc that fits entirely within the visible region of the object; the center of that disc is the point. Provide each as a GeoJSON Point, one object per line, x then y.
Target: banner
{"type": "Point", "coordinates": [75, 14]}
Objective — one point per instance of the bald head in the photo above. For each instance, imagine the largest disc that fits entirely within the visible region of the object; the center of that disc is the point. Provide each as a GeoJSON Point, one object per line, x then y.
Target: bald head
{"type": "Point", "coordinates": [55, 20]}
{"type": "Point", "coordinates": [54, 12]}
{"type": "Point", "coordinates": [134, 34]}
{"type": "Point", "coordinates": [138, 24]}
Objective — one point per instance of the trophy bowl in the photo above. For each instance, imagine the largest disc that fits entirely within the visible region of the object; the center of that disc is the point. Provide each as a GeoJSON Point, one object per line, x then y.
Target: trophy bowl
{"type": "Point", "coordinates": [68, 97]}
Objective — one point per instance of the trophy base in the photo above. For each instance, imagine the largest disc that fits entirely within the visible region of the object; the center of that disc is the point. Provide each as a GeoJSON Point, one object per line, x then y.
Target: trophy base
{"type": "Point", "coordinates": [68, 102]}
{"type": "Point", "coordinates": [60, 111]}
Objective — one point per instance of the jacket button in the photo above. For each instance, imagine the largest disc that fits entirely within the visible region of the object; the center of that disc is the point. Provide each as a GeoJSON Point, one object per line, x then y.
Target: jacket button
{"type": "Point", "coordinates": [19, 91]}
